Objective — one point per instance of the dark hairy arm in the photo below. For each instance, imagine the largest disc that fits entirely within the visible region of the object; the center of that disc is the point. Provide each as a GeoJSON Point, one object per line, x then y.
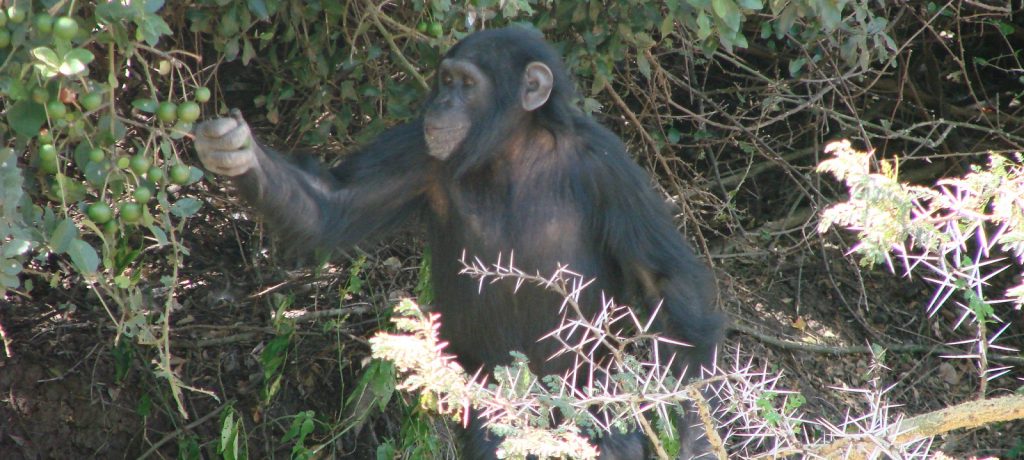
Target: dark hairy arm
{"type": "Point", "coordinates": [374, 190]}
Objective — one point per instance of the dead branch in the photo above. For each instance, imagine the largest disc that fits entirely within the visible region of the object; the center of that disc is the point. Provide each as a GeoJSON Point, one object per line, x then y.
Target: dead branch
{"type": "Point", "coordinates": [972, 414]}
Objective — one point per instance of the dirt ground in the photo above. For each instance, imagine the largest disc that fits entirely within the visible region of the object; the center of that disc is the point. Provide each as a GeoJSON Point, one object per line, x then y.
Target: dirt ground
{"type": "Point", "coordinates": [69, 392]}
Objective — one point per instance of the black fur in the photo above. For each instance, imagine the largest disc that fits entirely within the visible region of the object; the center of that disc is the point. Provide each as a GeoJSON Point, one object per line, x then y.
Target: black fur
{"type": "Point", "coordinates": [550, 187]}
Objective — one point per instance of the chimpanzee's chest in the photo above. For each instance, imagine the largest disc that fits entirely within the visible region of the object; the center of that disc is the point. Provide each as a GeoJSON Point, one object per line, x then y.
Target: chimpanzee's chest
{"type": "Point", "coordinates": [531, 232]}
{"type": "Point", "coordinates": [536, 226]}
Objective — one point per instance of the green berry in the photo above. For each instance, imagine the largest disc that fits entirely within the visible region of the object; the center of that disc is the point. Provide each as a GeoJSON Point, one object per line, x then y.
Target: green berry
{"type": "Point", "coordinates": [44, 23]}
{"type": "Point", "coordinates": [56, 109]}
{"type": "Point", "coordinates": [436, 29]}
{"type": "Point", "coordinates": [155, 175]}
{"type": "Point", "coordinates": [188, 111]}
{"type": "Point", "coordinates": [139, 164]}
{"type": "Point", "coordinates": [48, 159]}
{"type": "Point", "coordinates": [96, 155]}
{"type": "Point", "coordinates": [99, 213]}
{"type": "Point", "coordinates": [422, 27]}
{"type": "Point", "coordinates": [110, 227]}
{"type": "Point", "coordinates": [202, 94]}
{"type": "Point", "coordinates": [45, 136]}
{"type": "Point", "coordinates": [5, 38]}
{"type": "Point", "coordinates": [131, 212]}
{"type": "Point", "coordinates": [123, 162]}
{"type": "Point", "coordinates": [142, 194]}
{"type": "Point", "coordinates": [16, 14]}
{"type": "Point", "coordinates": [3, 18]}
{"type": "Point", "coordinates": [180, 174]}
{"type": "Point", "coordinates": [167, 112]}
{"type": "Point", "coordinates": [65, 28]}
{"type": "Point", "coordinates": [91, 101]}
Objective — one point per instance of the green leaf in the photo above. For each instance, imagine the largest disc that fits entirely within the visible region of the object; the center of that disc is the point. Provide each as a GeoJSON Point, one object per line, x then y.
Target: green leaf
{"type": "Point", "coordinates": [186, 207]}
{"type": "Point", "coordinates": [16, 247]}
{"type": "Point", "coordinates": [784, 22]}
{"type": "Point", "coordinates": [145, 105]}
{"type": "Point", "coordinates": [1004, 28]}
{"type": "Point", "coordinates": [76, 62]}
{"type": "Point", "coordinates": [159, 234]}
{"type": "Point", "coordinates": [755, 5]}
{"type": "Point", "coordinates": [83, 256]}
{"type": "Point", "coordinates": [830, 15]}
{"type": "Point", "coordinates": [259, 8]}
{"type": "Point", "coordinates": [151, 28]}
{"type": "Point", "coordinates": [673, 135]}
{"type": "Point", "coordinates": [26, 117]}
{"type": "Point", "coordinates": [46, 56]}
{"type": "Point", "coordinates": [248, 52]}
{"type": "Point", "coordinates": [63, 236]}
{"type": "Point", "coordinates": [703, 26]}
{"type": "Point", "coordinates": [152, 6]}
{"type": "Point", "coordinates": [729, 13]}
{"type": "Point", "coordinates": [643, 65]}
{"type": "Point", "coordinates": [795, 65]}
{"type": "Point", "coordinates": [877, 25]}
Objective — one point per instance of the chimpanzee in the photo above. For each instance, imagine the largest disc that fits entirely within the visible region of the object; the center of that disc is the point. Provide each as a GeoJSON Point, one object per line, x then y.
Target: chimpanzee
{"type": "Point", "coordinates": [499, 164]}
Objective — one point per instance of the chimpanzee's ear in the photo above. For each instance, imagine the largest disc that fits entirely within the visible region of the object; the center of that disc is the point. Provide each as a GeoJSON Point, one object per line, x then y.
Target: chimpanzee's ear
{"type": "Point", "coordinates": [537, 83]}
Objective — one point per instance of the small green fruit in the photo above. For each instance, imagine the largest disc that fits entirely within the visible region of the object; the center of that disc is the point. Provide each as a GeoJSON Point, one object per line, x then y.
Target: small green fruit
{"type": "Point", "coordinates": [202, 94]}
{"type": "Point", "coordinates": [91, 101]}
{"type": "Point", "coordinates": [5, 38]}
{"type": "Point", "coordinates": [142, 194]}
{"type": "Point", "coordinates": [16, 14]}
{"type": "Point", "coordinates": [99, 213]}
{"type": "Point", "coordinates": [56, 109]}
{"type": "Point", "coordinates": [180, 174]}
{"type": "Point", "coordinates": [188, 111]}
{"type": "Point", "coordinates": [96, 155]}
{"type": "Point", "coordinates": [44, 23]}
{"type": "Point", "coordinates": [65, 28]}
{"type": "Point", "coordinates": [167, 112]}
{"type": "Point", "coordinates": [436, 29]}
{"type": "Point", "coordinates": [48, 158]}
{"type": "Point", "coordinates": [131, 212]}
{"type": "Point", "coordinates": [139, 164]}
{"type": "Point", "coordinates": [155, 175]}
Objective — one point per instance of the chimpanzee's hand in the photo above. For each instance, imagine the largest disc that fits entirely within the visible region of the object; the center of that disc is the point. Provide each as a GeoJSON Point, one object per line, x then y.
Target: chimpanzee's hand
{"type": "Point", "coordinates": [226, 146]}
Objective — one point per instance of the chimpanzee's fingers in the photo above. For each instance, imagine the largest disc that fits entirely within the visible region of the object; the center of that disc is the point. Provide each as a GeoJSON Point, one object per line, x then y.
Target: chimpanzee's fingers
{"type": "Point", "coordinates": [231, 163]}
{"type": "Point", "coordinates": [216, 128]}
{"type": "Point", "coordinates": [236, 139]}
{"type": "Point", "coordinates": [237, 115]}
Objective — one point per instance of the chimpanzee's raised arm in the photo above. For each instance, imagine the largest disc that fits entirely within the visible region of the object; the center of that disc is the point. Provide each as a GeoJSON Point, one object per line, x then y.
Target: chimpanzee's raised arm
{"type": "Point", "coordinates": [373, 191]}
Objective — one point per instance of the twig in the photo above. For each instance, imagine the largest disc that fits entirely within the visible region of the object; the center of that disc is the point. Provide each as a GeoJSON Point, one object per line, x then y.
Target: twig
{"type": "Point", "coordinates": [7, 342]}
{"type": "Point", "coordinates": [971, 414]}
{"type": "Point", "coordinates": [174, 434]}
{"type": "Point", "coordinates": [395, 49]}
{"type": "Point", "coordinates": [860, 349]}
